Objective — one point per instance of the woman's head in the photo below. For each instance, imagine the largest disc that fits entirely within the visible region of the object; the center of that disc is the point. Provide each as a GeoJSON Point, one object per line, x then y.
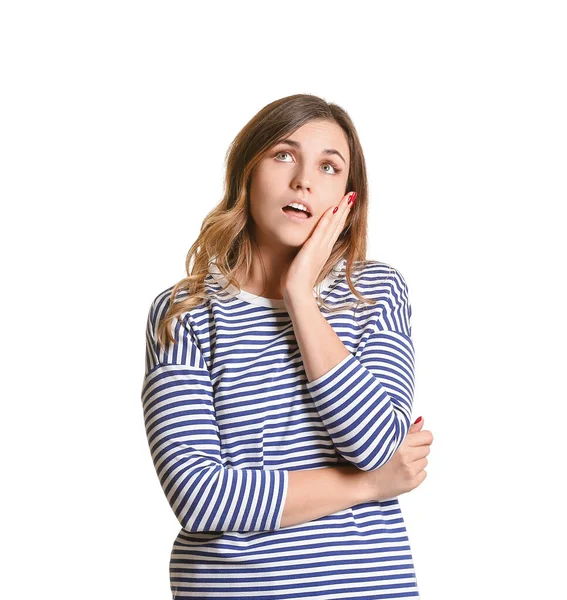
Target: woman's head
{"type": "Point", "coordinates": [311, 166]}
{"type": "Point", "coordinates": [260, 182]}
{"type": "Point", "coordinates": [262, 175]}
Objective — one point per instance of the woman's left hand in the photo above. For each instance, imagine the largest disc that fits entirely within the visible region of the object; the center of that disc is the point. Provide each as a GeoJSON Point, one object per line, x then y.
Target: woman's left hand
{"type": "Point", "coordinates": [301, 275]}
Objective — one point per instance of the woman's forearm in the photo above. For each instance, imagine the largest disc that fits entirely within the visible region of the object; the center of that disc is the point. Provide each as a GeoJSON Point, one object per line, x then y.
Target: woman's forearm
{"type": "Point", "coordinates": [315, 493]}
{"type": "Point", "coordinates": [321, 348]}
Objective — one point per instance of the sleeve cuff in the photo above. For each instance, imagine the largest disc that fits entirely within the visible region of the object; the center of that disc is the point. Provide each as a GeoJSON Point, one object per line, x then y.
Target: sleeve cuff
{"type": "Point", "coordinates": [283, 486]}
{"type": "Point", "coordinates": [321, 382]}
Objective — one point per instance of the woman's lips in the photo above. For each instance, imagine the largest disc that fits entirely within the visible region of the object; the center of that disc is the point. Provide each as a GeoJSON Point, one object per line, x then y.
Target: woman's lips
{"type": "Point", "coordinates": [292, 216]}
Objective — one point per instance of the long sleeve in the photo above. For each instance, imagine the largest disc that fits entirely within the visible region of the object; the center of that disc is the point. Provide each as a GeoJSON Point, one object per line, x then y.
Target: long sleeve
{"type": "Point", "coordinates": [365, 401]}
{"type": "Point", "coordinates": [184, 441]}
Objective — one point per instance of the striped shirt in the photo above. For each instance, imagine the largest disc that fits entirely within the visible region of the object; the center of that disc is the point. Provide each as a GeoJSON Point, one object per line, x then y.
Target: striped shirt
{"type": "Point", "coordinates": [229, 412]}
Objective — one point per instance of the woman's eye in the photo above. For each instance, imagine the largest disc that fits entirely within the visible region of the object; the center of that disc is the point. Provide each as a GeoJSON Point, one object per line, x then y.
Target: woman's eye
{"type": "Point", "coordinates": [336, 169]}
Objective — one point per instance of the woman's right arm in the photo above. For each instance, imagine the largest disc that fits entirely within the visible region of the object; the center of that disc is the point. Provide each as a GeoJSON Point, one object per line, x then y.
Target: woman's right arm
{"type": "Point", "coordinates": [185, 446]}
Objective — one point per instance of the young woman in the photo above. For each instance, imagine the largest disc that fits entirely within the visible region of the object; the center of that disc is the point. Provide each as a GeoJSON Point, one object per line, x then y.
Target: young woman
{"type": "Point", "coordinates": [279, 379]}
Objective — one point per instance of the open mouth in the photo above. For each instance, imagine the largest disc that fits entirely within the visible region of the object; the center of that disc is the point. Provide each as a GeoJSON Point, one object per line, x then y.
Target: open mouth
{"type": "Point", "coordinates": [296, 213]}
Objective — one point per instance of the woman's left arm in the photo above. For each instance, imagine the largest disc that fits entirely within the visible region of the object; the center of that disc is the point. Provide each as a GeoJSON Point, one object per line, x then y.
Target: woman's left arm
{"type": "Point", "coordinates": [365, 403]}
{"type": "Point", "coordinates": [364, 400]}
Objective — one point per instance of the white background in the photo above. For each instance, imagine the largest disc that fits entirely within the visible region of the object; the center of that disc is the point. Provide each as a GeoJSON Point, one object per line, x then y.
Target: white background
{"type": "Point", "coordinates": [115, 120]}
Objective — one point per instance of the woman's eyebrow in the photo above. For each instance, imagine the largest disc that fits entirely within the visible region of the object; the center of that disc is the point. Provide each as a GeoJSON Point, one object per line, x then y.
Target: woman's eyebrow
{"type": "Point", "coordinates": [296, 144]}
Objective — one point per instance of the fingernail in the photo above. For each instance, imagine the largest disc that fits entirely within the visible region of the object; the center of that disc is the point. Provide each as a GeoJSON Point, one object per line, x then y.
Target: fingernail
{"type": "Point", "coordinates": [417, 420]}
{"type": "Point", "coordinates": [336, 208]}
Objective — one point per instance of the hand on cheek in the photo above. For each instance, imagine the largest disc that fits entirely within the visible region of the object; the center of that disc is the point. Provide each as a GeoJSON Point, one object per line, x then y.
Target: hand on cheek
{"type": "Point", "coordinates": [301, 275]}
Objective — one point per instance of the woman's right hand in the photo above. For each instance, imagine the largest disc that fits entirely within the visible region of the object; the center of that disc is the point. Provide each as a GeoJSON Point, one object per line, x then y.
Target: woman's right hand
{"type": "Point", "coordinates": [405, 470]}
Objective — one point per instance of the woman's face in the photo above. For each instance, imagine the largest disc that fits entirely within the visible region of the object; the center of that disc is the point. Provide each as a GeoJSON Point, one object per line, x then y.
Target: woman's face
{"type": "Point", "coordinates": [312, 166]}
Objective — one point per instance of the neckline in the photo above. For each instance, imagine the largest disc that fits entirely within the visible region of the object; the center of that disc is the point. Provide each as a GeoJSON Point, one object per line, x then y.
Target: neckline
{"type": "Point", "coordinates": [279, 303]}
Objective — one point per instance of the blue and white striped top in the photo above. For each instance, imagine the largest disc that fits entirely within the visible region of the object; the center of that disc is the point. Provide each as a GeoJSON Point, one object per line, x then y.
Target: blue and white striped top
{"type": "Point", "coordinates": [229, 412]}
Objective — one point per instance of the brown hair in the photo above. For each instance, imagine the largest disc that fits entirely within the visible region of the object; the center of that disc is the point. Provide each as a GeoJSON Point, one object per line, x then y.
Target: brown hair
{"type": "Point", "coordinates": [224, 232]}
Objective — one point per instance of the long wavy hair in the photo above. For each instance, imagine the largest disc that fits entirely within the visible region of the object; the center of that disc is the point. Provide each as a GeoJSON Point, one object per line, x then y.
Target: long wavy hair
{"type": "Point", "coordinates": [225, 234]}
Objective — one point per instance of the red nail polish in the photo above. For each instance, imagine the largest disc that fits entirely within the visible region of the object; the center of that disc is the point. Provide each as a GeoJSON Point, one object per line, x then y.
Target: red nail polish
{"type": "Point", "coordinates": [417, 420]}
{"type": "Point", "coordinates": [352, 198]}
{"type": "Point", "coordinates": [336, 208]}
